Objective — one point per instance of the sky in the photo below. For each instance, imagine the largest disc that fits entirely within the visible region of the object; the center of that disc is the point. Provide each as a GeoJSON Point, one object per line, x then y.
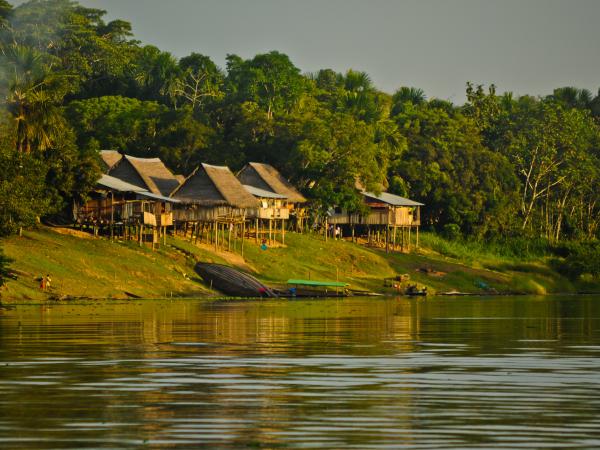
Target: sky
{"type": "Point", "coordinates": [523, 46]}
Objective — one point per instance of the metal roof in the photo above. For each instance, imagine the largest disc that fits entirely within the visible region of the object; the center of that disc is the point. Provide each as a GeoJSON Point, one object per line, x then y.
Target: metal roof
{"type": "Point", "coordinates": [147, 194]}
{"type": "Point", "coordinates": [122, 186]}
{"type": "Point", "coordinates": [391, 199]}
{"type": "Point", "coordinates": [258, 192]}
{"type": "Point", "coordinates": [118, 185]}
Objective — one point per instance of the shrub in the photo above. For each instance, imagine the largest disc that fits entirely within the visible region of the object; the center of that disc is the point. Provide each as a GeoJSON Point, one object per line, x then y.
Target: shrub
{"type": "Point", "coordinates": [580, 258]}
{"type": "Point", "coordinates": [4, 262]}
{"type": "Point", "coordinates": [451, 231]}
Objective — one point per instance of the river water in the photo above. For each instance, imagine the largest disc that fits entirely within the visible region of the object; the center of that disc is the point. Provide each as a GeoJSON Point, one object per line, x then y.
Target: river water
{"type": "Point", "coordinates": [518, 372]}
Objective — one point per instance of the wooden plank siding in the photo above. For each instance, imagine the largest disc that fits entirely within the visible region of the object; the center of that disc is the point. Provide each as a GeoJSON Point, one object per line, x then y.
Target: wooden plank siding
{"type": "Point", "coordinates": [400, 216]}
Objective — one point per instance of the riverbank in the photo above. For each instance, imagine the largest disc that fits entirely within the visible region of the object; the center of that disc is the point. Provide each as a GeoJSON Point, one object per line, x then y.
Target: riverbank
{"type": "Point", "coordinates": [87, 267]}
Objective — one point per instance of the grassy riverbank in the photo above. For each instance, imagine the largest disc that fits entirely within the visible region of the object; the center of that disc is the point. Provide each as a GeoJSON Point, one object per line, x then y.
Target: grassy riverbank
{"type": "Point", "coordinates": [83, 266]}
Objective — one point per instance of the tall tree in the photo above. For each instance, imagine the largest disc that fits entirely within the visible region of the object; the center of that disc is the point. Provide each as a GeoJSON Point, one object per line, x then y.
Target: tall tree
{"type": "Point", "coordinates": [200, 81]}
{"type": "Point", "coordinates": [33, 91]}
{"type": "Point", "coordinates": [270, 80]}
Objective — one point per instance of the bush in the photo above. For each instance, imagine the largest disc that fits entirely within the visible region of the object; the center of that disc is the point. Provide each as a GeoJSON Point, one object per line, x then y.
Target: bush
{"type": "Point", "coordinates": [451, 231]}
{"type": "Point", "coordinates": [4, 262]}
{"type": "Point", "coordinates": [580, 258]}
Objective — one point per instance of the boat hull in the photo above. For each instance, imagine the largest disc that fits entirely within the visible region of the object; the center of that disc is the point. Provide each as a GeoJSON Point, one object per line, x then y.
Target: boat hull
{"type": "Point", "coordinates": [232, 282]}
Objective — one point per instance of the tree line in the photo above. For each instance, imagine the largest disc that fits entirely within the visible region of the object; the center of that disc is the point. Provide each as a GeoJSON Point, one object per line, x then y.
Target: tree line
{"type": "Point", "coordinates": [72, 83]}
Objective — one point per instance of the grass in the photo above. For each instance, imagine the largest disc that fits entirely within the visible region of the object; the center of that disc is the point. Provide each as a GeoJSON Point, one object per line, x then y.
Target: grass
{"type": "Point", "coordinates": [88, 267]}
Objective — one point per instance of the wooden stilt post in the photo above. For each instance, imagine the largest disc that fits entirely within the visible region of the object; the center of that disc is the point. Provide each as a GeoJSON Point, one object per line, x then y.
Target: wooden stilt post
{"type": "Point", "coordinates": [243, 235]}
{"type": "Point", "coordinates": [283, 231]}
{"type": "Point", "coordinates": [387, 239]}
{"type": "Point", "coordinates": [417, 236]}
{"type": "Point", "coordinates": [112, 215]}
{"type": "Point", "coordinates": [216, 226]}
{"type": "Point", "coordinates": [256, 230]}
{"type": "Point", "coordinates": [229, 225]}
{"type": "Point", "coordinates": [270, 231]}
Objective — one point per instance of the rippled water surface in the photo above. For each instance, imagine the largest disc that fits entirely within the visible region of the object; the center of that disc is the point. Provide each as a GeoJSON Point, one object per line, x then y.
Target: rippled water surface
{"type": "Point", "coordinates": [355, 373]}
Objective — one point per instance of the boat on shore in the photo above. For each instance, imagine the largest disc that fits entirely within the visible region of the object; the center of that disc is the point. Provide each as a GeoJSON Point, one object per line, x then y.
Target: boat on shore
{"type": "Point", "coordinates": [236, 283]}
{"type": "Point", "coordinates": [315, 288]}
{"type": "Point", "coordinates": [232, 282]}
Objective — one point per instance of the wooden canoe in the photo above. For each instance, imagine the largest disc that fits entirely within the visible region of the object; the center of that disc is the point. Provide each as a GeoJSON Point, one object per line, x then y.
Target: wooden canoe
{"type": "Point", "coordinates": [233, 282]}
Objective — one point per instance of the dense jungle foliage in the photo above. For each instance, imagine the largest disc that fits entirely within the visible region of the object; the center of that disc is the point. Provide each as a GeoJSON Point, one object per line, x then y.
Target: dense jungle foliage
{"type": "Point", "coordinates": [497, 166]}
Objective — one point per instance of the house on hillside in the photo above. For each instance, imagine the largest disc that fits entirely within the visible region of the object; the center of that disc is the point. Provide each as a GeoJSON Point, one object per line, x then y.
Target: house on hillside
{"type": "Point", "coordinates": [390, 219]}
{"type": "Point", "coordinates": [213, 200]}
{"type": "Point", "coordinates": [109, 159]}
{"type": "Point", "coordinates": [125, 210]}
{"type": "Point", "coordinates": [269, 216]}
{"type": "Point", "coordinates": [149, 173]}
{"type": "Point", "coordinates": [266, 178]}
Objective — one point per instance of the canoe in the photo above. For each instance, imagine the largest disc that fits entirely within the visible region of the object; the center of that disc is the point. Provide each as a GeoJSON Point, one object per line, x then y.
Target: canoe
{"type": "Point", "coordinates": [232, 282]}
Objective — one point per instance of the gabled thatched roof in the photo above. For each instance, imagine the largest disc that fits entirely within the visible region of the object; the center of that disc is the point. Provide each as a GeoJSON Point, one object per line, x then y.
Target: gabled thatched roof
{"type": "Point", "coordinates": [214, 186]}
{"type": "Point", "coordinates": [110, 158]}
{"type": "Point", "coordinates": [266, 177]}
{"type": "Point", "coordinates": [150, 173]}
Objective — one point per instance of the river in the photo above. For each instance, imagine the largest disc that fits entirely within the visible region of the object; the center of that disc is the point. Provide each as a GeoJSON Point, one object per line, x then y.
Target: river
{"type": "Point", "coordinates": [496, 372]}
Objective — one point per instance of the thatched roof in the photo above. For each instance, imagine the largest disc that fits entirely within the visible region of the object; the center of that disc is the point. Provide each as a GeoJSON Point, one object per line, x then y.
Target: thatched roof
{"type": "Point", "coordinates": [110, 158]}
{"type": "Point", "coordinates": [266, 177]}
{"type": "Point", "coordinates": [150, 173]}
{"type": "Point", "coordinates": [214, 186]}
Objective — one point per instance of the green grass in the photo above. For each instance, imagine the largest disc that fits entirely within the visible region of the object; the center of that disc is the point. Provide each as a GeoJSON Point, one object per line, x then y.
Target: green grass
{"type": "Point", "coordinates": [95, 268]}
{"type": "Point", "coordinates": [99, 268]}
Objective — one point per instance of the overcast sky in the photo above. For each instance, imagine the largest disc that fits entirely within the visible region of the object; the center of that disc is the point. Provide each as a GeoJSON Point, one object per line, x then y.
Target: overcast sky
{"type": "Point", "coordinates": [524, 46]}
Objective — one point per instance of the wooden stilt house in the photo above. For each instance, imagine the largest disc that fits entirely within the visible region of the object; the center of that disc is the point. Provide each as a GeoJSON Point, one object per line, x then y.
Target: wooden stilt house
{"type": "Point", "coordinates": [213, 203]}
{"type": "Point", "coordinates": [268, 218]}
{"type": "Point", "coordinates": [126, 210]}
{"type": "Point", "coordinates": [267, 178]}
{"type": "Point", "coordinates": [152, 175]}
{"type": "Point", "coordinates": [390, 220]}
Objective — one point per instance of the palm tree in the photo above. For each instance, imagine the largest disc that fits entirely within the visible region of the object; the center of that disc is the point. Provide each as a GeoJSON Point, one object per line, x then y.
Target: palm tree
{"type": "Point", "coordinates": [404, 95]}
{"type": "Point", "coordinates": [573, 97]}
{"type": "Point", "coordinates": [32, 93]}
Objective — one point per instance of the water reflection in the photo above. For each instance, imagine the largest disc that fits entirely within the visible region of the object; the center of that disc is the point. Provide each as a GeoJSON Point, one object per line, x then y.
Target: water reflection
{"type": "Point", "coordinates": [354, 373]}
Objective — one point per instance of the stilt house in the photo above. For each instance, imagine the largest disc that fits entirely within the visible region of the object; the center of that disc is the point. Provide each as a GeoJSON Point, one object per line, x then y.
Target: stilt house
{"type": "Point", "coordinates": [388, 215]}
{"type": "Point", "coordinates": [153, 176]}
{"type": "Point", "coordinates": [213, 201]}
{"type": "Point", "coordinates": [124, 208]}
{"type": "Point", "coordinates": [211, 193]}
{"type": "Point", "coordinates": [268, 218]}
{"type": "Point", "coordinates": [283, 194]}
